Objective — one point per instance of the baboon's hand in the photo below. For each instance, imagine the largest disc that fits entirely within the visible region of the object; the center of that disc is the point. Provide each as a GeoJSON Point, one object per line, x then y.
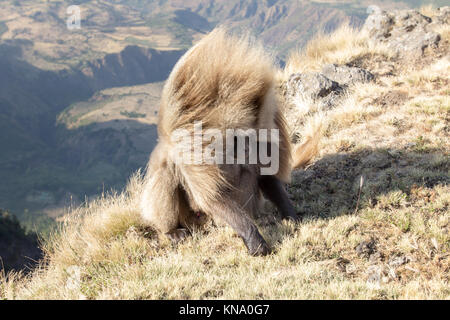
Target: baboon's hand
{"type": "Point", "coordinates": [295, 218]}
{"type": "Point", "coordinates": [177, 235]}
{"type": "Point", "coordinates": [256, 244]}
{"type": "Point", "coordinates": [262, 250]}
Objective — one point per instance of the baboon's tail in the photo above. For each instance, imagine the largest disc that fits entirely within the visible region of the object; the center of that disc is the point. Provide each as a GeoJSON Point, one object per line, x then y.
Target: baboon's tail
{"type": "Point", "coordinates": [305, 152]}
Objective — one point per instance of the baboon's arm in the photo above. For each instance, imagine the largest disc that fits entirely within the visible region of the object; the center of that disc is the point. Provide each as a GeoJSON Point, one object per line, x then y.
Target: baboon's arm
{"type": "Point", "coordinates": [244, 227]}
{"type": "Point", "coordinates": [273, 190]}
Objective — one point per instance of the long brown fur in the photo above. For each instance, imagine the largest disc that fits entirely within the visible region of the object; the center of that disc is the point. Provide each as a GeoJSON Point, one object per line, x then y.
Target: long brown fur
{"type": "Point", "coordinates": [224, 82]}
{"type": "Point", "coordinates": [304, 153]}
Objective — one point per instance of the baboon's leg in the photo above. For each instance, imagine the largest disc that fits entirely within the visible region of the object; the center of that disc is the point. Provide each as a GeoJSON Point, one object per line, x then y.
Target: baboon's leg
{"type": "Point", "coordinates": [186, 220]}
{"type": "Point", "coordinates": [273, 190]}
{"type": "Point", "coordinates": [162, 203]}
{"type": "Point", "coordinates": [230, 213]}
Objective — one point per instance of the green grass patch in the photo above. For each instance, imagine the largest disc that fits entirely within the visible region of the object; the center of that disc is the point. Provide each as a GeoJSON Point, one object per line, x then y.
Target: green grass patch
{"type": "Point", "coordinates": [133, 114]}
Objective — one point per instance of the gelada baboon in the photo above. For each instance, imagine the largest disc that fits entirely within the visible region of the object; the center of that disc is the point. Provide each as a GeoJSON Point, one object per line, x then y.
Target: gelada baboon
{"type": "Point", "coordinates": [223, 82]}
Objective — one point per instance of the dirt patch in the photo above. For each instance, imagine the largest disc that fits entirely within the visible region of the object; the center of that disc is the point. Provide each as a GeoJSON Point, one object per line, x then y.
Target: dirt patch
{"type": "Point", "coordinates": [379, 65]}
{"type": "Point", "coordinates": [392, 98]}
{"type": "Point", "coordinates": [429, 56]}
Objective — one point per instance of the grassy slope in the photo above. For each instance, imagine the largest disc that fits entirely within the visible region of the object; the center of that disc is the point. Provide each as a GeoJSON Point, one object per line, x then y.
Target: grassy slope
{"type": "Point", "coordinates": [392, 243]}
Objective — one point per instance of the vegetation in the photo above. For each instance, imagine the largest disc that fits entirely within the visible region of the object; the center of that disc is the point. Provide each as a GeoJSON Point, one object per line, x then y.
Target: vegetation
{"type": "Point", "coordinates": [132, 114]}
{"type": "Point", "coordinates": [375, 204]}
{"type": "Point", "coordinates": [18, 247]}
{"type": "Point", "coordinates": [343, 46]}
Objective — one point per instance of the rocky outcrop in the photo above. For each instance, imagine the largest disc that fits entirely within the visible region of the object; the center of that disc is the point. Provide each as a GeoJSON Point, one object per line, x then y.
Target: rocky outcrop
{"type": "Point", "coordinates": [325, 88]}
{"type": "Point", "coordinates": [442, 16]}
{"type": "Point", "coordinates": [315, 87]}
{"type": "Point", "coordinates": [406, 32]}
{"type": "Point", "coordinates": [346, 75]}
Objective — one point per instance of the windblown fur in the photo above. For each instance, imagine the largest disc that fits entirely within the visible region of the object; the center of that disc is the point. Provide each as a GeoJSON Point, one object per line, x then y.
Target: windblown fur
{"type": "Point", "coordinates": [224, 82]}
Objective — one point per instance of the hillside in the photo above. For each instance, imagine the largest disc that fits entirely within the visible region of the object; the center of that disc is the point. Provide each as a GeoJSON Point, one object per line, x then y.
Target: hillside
{"type": "Point", "coordinates": [108, 27]}
{"type": "Point", "coordinates": [375, 199]}
{"type": "Point", "coordinates": [40, 155]}
{"type": "Point", "coordinates": [47, 69]}
{"type": "Point", "coordinates": [18, 248]}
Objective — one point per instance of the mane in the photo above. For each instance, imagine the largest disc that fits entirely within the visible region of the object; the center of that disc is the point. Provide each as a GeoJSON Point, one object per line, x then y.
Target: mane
{"type": "Point", "coordinates": [221, 81]}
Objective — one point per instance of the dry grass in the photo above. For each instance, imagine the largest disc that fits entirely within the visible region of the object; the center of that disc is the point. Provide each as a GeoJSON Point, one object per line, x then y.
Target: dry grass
{"type": "Point", "coordinates": [428, 10]}
{"type": "Point", "coordinates": [342, 46]}
{"type": "Point", "coordinates": [385, 236]}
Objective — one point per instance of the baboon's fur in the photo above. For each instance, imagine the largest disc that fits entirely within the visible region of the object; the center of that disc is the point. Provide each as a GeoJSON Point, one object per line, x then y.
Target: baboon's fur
{"type": "Point", "coordinates": [224, 82]}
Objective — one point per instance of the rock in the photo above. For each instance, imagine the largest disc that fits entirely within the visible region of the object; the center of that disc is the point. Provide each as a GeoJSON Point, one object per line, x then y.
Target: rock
{"type": "Point", "coordinates": [397, 261]}
{"type": "Point", "coordinates": [443, 16]}
{"type": "Point", "coordinates": [376, 258]}
{"type": "Point", "coordinates": [415, 42]}
{"type": "Point", "coordinates": [325, 88]}
{"type": "Point", "coordinates": [314, 86]}
{"type": "Point", "coordinates": [379, 24]}
{"type": "Point", "coordinates": [366, 248]}
{"type": "Point", "coordinates": [345, 75]}
{"type": "Point", "coordinates": [375, 274]}
{"type": "Point", "coordinates": [407, 21]}
{"type": "Point", "coordinates": [406, 32]}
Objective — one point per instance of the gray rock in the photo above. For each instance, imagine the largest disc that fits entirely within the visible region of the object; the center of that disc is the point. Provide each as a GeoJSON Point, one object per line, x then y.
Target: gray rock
{"type": "Point", "coordinates": [397, 261]}
{"type": "Point", "coordinates": [443, 16]}
{"type": "Point", "coordinates": [375, 274]}
{"type": "Point", "coordinates": [407, 21]}
{"type": "Point", "coordinates": [326, 88]}
{"type": "Point", "coordinates": [406, 32]}
{"type": "Point", "coordinates": [366, 248]}
{"type": "Point", "coordinates": [345, 75]}
{"type": "Point", "coordinates": [415, 42]}
{"type": "Point", "coordinates": [379, 24]}
{"type": "Point", "coordinates": [315, 86]}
